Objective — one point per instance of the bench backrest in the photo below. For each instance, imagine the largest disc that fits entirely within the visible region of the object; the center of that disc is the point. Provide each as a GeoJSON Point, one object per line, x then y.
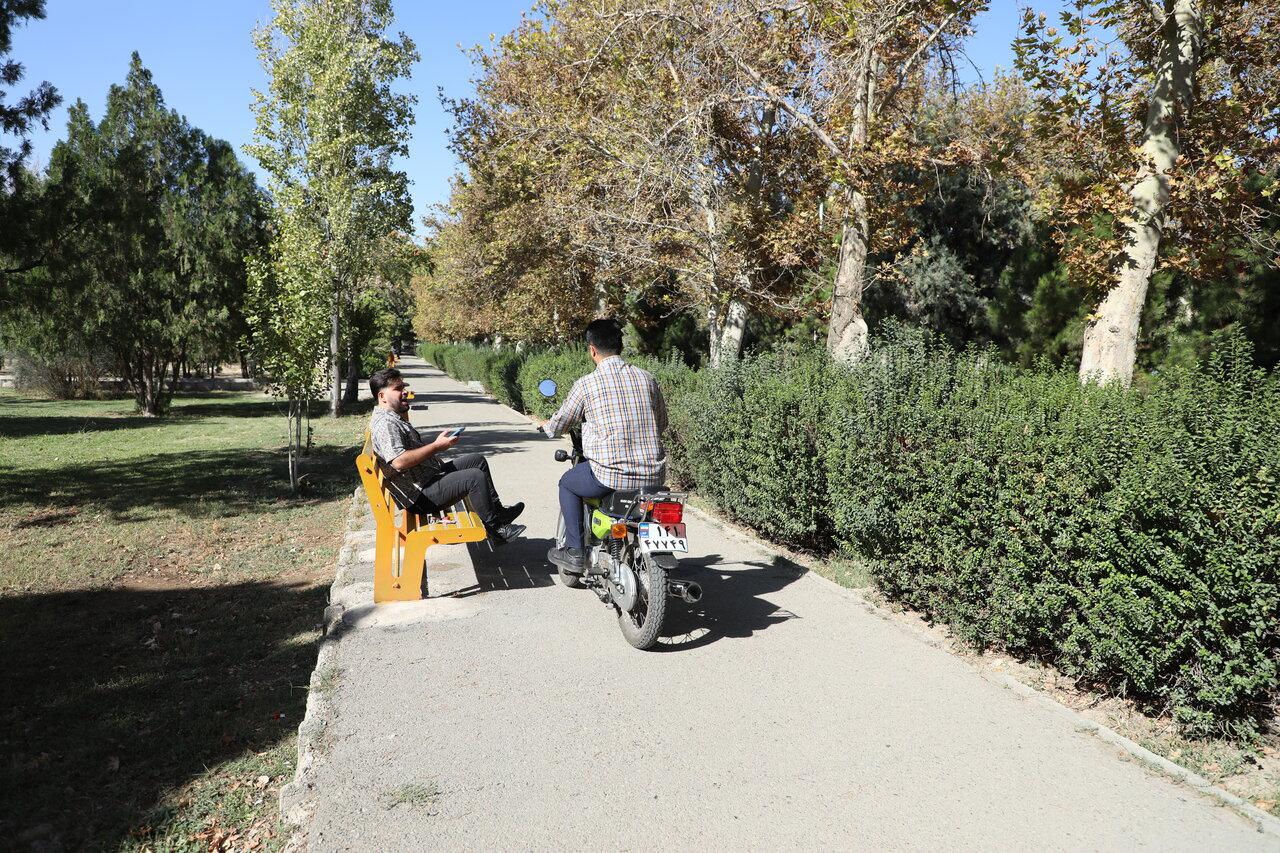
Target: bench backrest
{"type": "Point", "coordinates": [374, 482]}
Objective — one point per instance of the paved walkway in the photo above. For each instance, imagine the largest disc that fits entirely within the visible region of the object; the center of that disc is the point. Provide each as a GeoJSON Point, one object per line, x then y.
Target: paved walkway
{"type": "Point", "coordinates": [783, 713]}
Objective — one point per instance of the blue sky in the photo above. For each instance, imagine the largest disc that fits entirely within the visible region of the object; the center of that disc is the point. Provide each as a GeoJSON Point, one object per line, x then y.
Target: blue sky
{"type": "Point", "coordinates": [203, 61]}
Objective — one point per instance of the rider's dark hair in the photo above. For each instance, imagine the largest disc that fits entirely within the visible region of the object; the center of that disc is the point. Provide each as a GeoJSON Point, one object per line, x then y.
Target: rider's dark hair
{"type": "Point", "coordinates": [605, 335]}
{"type": "Point", "coordinates": [382, 379]}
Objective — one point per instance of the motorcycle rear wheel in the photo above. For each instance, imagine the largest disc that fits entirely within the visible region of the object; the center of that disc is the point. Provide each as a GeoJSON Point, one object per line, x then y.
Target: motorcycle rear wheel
{"type": "Point", "coordinates": [643, 624]}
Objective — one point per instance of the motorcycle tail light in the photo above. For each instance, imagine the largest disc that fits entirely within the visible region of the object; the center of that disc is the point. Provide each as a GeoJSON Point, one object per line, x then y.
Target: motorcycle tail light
{"type": "Point", "coordinates": [618, 531]}
{"type": "Point", "coordinates": [668, 512]}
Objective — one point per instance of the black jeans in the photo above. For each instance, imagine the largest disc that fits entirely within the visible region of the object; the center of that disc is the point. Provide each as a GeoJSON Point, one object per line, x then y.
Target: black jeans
{"type": "Point", "coordinates": [465, 476]}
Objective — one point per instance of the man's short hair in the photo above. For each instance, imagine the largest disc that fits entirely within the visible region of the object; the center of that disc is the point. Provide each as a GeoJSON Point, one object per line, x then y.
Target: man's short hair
{"type": "Point", "coordinates": [605, 335]}
{"type": "Point", "coordinates": [382, 379]}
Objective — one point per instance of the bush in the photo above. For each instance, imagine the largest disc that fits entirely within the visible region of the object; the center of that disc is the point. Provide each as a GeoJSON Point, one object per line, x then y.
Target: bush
{"type": "Point", "coordinates": [682, 387]}
{"type": "Point", "coordinates": [1131, 538]}
{"type": "Point", "coordinates": [502, 377]}
{"type": "Point", "coordinates": [63, 376]}
{"type": "Point", "coordinates": [751, 441]}
{"type": "Point", "coordinates": [564, 366]}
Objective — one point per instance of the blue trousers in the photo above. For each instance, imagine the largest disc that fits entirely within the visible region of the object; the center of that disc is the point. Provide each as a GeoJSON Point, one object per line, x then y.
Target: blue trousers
{"type": "Point", "coordinates": [577, 483]}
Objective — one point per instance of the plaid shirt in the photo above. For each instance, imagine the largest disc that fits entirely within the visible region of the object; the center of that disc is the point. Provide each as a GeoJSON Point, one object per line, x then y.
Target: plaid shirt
{"type": "Point", "coordinates": [623, 415]}
{"type": "Point", "coordinates": [390, 436]}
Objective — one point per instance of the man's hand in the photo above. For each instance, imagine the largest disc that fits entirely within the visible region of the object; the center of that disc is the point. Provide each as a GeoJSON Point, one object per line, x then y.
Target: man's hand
{"type": "Point", "coordinates": [444, 441]}
{"type": "Point", "coordinates": [418, 455]}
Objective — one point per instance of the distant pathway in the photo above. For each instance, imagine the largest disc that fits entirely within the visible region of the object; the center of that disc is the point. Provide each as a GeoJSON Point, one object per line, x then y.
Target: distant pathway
{"type": "Point", "coordinates": [512, 714]}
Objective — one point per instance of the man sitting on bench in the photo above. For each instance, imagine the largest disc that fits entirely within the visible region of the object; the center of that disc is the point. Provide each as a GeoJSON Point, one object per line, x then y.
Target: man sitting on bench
{"type": "Point", "coordinates": [418, 478]}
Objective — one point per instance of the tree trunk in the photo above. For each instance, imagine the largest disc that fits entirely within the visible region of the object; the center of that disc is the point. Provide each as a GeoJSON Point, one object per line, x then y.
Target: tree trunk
{"type": "Point", "coordinates": [148, 377]}
{"type": "Point", "coordinates": [351, 393]}
{"type": "Point", "coordinates": [727, 327]}
{"type": "Point", "coordinates": [295, 440]}
{"type": "Point", "coordinates": [847, 338]}
{"type": "Point", "coordinates": [847, 330]}
{"type": "Point", "coordinates": [602, 299]}
{"type": "Point", "coordinates": [335, 375]}
{"type": "Point", "coordinates": [1111, 339]}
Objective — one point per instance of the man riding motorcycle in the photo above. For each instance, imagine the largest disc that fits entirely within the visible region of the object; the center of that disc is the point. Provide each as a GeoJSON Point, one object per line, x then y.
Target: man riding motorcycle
{"type": "Point", "coordinates": [623, 415]}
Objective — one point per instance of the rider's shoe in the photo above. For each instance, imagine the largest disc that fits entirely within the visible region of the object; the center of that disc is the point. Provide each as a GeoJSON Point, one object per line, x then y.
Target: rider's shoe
{"type": "Point", "coordinates": [507, 514]}
{"type": "Point", "coordinates": [503, 535]}
{"type": "Point", "coordinates": [570, 559]}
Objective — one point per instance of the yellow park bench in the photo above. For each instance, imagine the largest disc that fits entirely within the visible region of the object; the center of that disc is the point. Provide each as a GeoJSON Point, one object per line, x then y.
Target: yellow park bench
{"type": "Point", "coordinates": [400, 550]}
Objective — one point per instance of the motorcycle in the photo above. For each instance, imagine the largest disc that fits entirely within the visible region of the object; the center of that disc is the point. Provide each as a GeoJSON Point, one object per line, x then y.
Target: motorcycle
{"type": "Point", "coordinates": [631, 539]}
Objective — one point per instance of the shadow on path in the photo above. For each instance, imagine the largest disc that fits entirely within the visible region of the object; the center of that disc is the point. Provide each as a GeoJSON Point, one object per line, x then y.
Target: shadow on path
{"type": "Point", "coordinates": [733, 603]}
{"type": "Point", "coordinates": [490, 442]}
{"type": "Point", "coordinates": [521, 564]}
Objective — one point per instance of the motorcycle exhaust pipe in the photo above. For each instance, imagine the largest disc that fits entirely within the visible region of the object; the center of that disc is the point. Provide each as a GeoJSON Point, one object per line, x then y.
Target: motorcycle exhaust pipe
{"type": "Point", "coordinates": [689, 591]}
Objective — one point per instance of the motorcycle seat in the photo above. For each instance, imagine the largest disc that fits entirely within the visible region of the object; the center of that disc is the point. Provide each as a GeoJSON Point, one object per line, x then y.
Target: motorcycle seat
{"type": "Point", "coordinates": [616, 503]}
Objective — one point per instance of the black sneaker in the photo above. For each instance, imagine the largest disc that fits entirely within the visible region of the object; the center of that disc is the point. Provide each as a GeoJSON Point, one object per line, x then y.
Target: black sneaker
{"type": "Point", "coordinates": [570, 559]}
{"type": "Point", "coordinates": [507, 514]}
{"type": "Point", "coordinates": [503, 535]}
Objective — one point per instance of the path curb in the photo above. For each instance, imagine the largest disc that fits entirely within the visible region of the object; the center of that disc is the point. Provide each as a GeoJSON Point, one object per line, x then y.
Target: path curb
{"type": "Point", "coordinates": [297, 797]}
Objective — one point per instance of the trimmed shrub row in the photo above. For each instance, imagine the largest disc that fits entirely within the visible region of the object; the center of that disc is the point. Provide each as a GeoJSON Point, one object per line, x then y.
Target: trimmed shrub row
{"type": "Point", "coordinates": [1131, 538]}
{"type": "Point", "coordinates": [496, 369]}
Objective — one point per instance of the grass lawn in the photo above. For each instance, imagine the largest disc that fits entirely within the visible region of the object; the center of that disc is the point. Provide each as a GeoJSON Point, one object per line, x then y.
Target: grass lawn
{"type": "Point", "coordinates": [160, 597]}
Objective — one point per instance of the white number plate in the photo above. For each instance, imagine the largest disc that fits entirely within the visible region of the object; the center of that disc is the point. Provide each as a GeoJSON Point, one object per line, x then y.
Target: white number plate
{"type": "Point", "coordinates": [662, 537]}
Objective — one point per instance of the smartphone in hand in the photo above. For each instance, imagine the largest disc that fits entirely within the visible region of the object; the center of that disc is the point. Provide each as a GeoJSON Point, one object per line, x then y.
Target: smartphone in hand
{"type": "Point", "coordinates": [456, 431]}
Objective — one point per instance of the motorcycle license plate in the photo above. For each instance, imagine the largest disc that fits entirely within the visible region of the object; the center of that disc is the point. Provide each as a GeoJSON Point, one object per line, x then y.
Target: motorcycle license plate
{"type": "Point", "coordinates": [662, 537]}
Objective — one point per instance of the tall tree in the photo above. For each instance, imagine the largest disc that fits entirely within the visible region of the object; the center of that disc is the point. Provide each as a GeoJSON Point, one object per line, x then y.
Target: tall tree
{"type": "Point", "coordinates": [850, 73]}
{"type": "Point", "coordinates": [1162, 114]}
{"type": "Point", "coordinates": [328, 130]}
{"type": "Point", "coordinates": [17, 119]}
{"type": "Point", "coordinates": [287, 308]}
{"type": "Point", "coordinates": [646, 162]}
{"type": "Point", "coordinates": [147, 224]}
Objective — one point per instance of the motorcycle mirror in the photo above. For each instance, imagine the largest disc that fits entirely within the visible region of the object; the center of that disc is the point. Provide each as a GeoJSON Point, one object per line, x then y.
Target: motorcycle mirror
{"type": "Point", "coordinates": [547, 388]}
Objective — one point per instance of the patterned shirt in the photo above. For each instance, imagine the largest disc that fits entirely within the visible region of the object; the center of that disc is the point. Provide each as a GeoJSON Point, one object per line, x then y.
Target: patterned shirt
{"type": "Point", "coordinates": [623, 415]}
{"type": "Point", "coordinates": [391, 435]}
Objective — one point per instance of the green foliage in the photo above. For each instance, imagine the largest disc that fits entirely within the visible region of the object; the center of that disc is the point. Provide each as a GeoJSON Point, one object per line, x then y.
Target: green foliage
{"type": "Point", "coordinates": [371, 323]}
{"type": "Point", "coordinates": [327, 130]}
{"type": "Point", "coordinates": [497, 370]}
{"type": "Point", "coordinates": [20, 115]}
{"type": "Point", "coordinates": [565, 366]}
{"type": "Point", "coordinates": [752, 443]}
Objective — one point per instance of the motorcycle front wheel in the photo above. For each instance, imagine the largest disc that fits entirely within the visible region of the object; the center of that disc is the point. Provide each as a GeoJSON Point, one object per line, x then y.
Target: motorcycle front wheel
{"type": "Point", "coordinates": [642, 624]}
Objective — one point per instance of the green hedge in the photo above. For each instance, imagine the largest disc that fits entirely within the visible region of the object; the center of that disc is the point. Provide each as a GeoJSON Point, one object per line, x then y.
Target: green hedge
{"type": "Point", "coordinates": [1132, 538]}
{"type": "Point", "coordinates": [495, 369]}
{"type": "Point", "coordinates": [564, 366]}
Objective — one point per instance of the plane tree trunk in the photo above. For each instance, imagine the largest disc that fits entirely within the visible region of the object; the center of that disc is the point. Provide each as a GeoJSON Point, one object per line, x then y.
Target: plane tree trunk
{"type": "Point", "coordinates": [1111, 339]}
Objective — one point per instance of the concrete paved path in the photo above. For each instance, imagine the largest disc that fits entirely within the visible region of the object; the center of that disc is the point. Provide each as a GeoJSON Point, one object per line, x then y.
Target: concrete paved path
{"type": "Point", "coordinates": [782, 713]}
